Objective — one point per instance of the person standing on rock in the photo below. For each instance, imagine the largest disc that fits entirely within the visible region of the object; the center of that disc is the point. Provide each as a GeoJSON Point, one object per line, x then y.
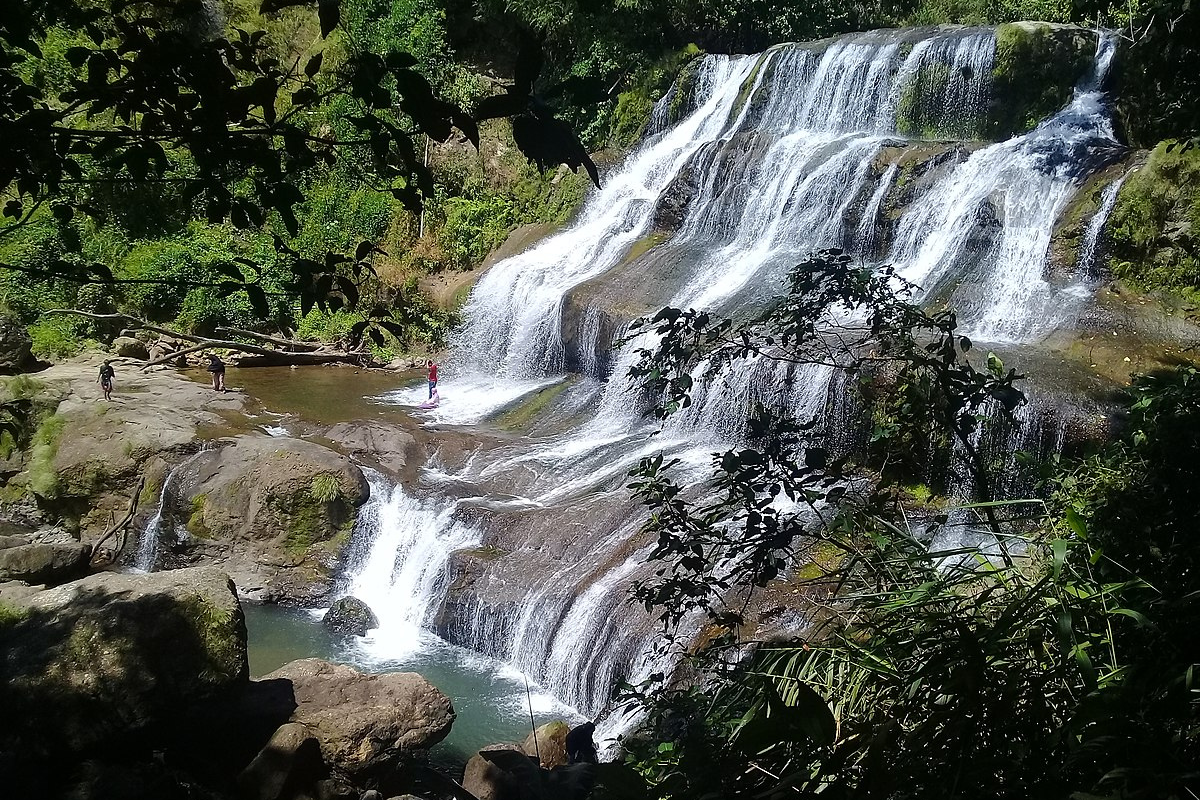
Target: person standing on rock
{"type": "Point", "coordinates": [217, 367]}
{"type": "Point", "coordinates": [106, 378]}
{"type": "Point", "coordinates": [432, 365]}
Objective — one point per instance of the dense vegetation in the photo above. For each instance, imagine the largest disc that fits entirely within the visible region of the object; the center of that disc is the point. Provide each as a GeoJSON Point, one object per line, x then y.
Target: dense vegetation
{"type": "Point", "coordinates": [623, 53]}
{"type": "Point", "coordinates": [1047, 655]}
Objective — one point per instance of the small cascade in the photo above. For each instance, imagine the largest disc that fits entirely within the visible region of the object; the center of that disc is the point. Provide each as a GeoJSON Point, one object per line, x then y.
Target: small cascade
{"type": "Point", "coordinates": [147, 550]}
{"type": "Point", "coordinates": [991, 220]}
{"type": "Point", "coordinates": [398, 560]}
{"type": "Point", "coordinates": [1091, 236]}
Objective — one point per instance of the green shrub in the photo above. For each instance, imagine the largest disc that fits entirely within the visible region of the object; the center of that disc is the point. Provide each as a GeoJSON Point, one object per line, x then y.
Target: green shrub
{"type": "Point", "coordinates": [326, 488]}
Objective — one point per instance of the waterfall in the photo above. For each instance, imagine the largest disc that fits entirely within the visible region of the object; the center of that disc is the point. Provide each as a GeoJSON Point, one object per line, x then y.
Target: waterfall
{"type": "Point", "coordinates": [1091, 236]}
{"type": "Point", "coordinates": [525, 547]}
{"type": "Point", "coordinates": [147, 549]}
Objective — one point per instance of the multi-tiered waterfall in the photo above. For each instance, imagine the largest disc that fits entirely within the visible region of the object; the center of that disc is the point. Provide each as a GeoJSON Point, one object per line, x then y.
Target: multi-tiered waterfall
{"type": "Point", "coordinates": [524, 548]}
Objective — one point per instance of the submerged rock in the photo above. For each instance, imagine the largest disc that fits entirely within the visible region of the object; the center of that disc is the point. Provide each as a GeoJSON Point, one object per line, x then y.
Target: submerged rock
{"type": "Point", "coordinates": [365, 722]}
{"type": "Point", "coordinates": [351, 616]}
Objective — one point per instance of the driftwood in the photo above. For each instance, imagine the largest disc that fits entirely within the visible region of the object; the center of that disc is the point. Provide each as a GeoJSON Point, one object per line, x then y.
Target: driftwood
{"type": "Point", "coordinates": [121, 527]}
{"type": "Point", "coordinates": [257, 356]}
{"type": "Point", "coordinates": [290, 344]}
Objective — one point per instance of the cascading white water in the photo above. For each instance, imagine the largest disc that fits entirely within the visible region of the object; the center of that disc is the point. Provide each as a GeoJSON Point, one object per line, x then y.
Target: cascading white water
{"type": "Point", "coordinates": [782, 152]}
{"type": "Point", "coordinates": [1018, 188]}
{"type": "Point", "coordinates": [1095, 226]}
{"type": "Point", "coordinates": [147, 550]}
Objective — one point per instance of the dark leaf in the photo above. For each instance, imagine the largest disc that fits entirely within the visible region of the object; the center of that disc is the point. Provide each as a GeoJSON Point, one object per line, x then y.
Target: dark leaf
{"type": "Point", "coordinates": [330, 14]}
{"type": "Point", "coordinates": [314, 65]}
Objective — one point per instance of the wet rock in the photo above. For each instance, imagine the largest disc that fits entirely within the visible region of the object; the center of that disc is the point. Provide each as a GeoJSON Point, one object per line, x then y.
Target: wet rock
{"type": "Point", "coordinates": [48, 564]}
{"type": "Point", "coordinates": [289, 765]}
{"type": "Point", "coordinates": [486, 781]}
{"type": "Point", "coordinates": [15, 345]}
{"type": "Point", "coordinates": [675, 200]}
{"type": "Point", "coordinates": [351, 616]}
{"type": "Point", "coordinates": [94, 662]}
{"type": "Point", "coordinates": [128, 347]}
{"type": "Point", "coordinates": [550, 746]}
{"type": "Point", "coordinates": [366, 722]}
{"type": "Point", "coordinates": [388, 447]}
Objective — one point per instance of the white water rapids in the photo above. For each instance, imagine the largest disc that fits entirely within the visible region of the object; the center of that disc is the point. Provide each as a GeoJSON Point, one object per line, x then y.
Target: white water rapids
{"type": "Point", "coordinates": [524, 550]}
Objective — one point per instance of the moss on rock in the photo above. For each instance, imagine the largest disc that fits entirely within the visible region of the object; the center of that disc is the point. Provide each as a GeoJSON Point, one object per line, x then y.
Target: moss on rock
{"type": "Point", "coordinates": [1155, 224]}
{"type": "Point", "coordinates": [1036, 67]}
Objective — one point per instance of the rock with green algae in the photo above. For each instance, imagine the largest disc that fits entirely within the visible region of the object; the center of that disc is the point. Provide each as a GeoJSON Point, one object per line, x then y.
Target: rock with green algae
{"type": "Point", "coordinates": [1035, 69]}
{"type": "Point", "coordinates": [112, 656]}
{"type": "Point", "coordinates": [274, 512]}
{"type": "Point", "coordinates": [1154, 229]}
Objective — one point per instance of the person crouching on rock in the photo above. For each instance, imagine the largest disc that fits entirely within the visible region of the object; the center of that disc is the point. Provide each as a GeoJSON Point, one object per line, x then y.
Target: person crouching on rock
{"type": "Point", "coordinates": [580, 747]}
{"type": "Point", "coordinates": [217, 367]}
{"type": "Point", "coordinates": [106, 378]}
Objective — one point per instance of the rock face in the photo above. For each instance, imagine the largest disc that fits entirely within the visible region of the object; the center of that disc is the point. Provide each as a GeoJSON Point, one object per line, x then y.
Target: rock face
{"type": "Point", "coordinates": [15, 345]}
{"type": "Point", "coordinates": [91, 663]}
{"type": "Point", "coordinates": [49, 564]}
{"type": "Point", "coordinates": [351, 616]}
{"type": "Point", "coordinates": [387, 447]}
{"type": "Point", "coordinates": [365, 722]}
{"type": "Point", "coordinates": [129, 347]}
{"type": "Point", "coordinates": [272, 511]}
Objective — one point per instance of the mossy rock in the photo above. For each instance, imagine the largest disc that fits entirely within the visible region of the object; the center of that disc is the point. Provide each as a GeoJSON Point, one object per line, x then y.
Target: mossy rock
{"type": "Point", "coordinates": [1036, 68]}
{"type": "Point", "coordinates": [1154, 228]}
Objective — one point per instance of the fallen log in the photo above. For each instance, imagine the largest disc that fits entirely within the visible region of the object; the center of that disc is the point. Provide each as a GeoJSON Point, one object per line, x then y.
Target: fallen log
{"type": "Point", "coordinates": [256, 356]}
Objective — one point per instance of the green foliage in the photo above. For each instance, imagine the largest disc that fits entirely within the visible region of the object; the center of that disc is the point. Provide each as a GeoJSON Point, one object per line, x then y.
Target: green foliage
{"type": "Point", "coordinates": [326, 488]}
{"type": "Point", "coordinates": [473, 227]}
{"type": "Point", "coordinates": [1154, 220]}
{"type": "Point", "coordinates": [43, 478]}
{"type": "Point", "coordinates": [635, 104]}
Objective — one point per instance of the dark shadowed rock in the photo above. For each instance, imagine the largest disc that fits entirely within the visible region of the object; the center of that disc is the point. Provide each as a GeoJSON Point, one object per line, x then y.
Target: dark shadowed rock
{"type": "Point", "coordinates": [94, 662]}
{"type": "Point", "coordinates": [15, 344]}
{"type": "Point", "coordinates": [49, 564]}
{"type": "Point", "coordinates": [487, 781]}
{"type": "Point", "coordinates": [289, 765]}
{"type": "Point", "coordinates": [366, 723]}
{"type": "Point", "coordinates": [350, 616]}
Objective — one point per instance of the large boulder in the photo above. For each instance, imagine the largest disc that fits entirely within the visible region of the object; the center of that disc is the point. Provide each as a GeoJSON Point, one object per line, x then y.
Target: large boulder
{"type": "Point", "coordinates": [274, 512]}
{"type": "Point", "coordinates": [15, 344]}
{"type": "Point", "coordinates": [129, 347]}
{"type": "Point", "coordinates": [350, 616]}
{"type": "Point", "coordinates": [90, 664]}
{"type": "Point", "coordinates": [548, 743]}
{"type": "Point", "coordinates": [49, 564]}
{"type": "Point", "coordinates": [385, 446]}
{"type": "Point", "coordinates": [365, 723]}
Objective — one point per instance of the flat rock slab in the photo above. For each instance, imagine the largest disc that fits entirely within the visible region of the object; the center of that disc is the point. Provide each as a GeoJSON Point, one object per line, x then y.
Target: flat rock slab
{"type": "Point", "coordinates": [389, 447]}
{"type": "Point", "coordinates": [365, 721]}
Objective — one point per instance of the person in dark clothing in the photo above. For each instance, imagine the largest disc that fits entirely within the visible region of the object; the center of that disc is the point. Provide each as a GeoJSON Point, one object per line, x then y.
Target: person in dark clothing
{"type": "Point", "coordinates": [432, 376]}
{"type": "Point", "coordinates": [106, 378]}
{"type": "Point", "coordinates": [217, 367]}
{"type": "Point", "coordinates": [580, 747]}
